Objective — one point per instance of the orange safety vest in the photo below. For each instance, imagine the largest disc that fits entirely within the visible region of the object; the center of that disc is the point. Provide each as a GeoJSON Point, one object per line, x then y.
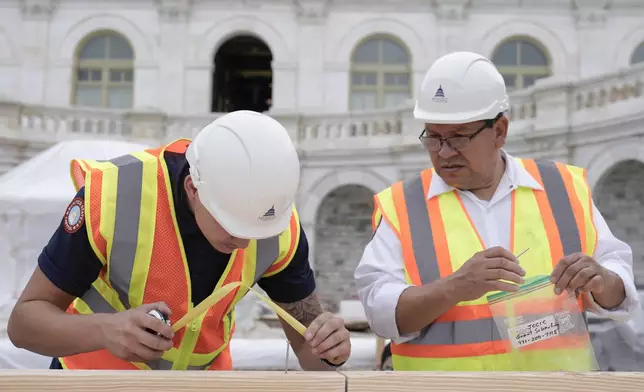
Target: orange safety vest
{"type": "Point", "coordinates": [438, 237]}
{"type": "Point", "coordinates": [132, 227]}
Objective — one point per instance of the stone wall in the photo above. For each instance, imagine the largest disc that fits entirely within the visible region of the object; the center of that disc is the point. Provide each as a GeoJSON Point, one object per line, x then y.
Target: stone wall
{"type": "Point", "coordinates": [343, 228]}
{"type": "Point", "coordinates": [619, 196]}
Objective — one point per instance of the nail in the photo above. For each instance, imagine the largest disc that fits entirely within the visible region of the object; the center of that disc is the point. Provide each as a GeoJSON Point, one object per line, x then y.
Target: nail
{"type": "Point", "coordinates": [557, 291]}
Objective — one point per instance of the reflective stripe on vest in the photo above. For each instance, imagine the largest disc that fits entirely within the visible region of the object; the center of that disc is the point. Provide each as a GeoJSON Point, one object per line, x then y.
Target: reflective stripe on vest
{"type": "Point", "coordinates": [553, 223]}
{"type": "Point", "coordinates": [129, 244]}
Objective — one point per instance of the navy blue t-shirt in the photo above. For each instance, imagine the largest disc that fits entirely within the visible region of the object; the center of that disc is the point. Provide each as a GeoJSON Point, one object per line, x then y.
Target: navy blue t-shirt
{"type": "Point", "coordinates": [69, 261]}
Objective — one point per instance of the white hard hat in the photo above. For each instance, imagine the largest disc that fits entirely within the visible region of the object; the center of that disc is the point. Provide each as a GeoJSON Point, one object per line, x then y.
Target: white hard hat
{"type": "Point", "coordinates": [247, 172]}
{"type": "Point", "coordinates": [461, 87]}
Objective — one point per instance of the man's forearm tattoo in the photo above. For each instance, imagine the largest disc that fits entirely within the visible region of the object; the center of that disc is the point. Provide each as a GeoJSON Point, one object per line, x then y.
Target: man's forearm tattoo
{"type": "Point", "coordinates": [306, 310]}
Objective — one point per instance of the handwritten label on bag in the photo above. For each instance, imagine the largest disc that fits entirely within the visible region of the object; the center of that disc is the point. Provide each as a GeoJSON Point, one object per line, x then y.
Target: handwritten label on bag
{"type": "Point", "coordinates": [534, 331]}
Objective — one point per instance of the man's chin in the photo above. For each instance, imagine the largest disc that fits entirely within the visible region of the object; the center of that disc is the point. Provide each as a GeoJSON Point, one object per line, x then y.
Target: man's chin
{"type": "Point", "coordinates": [452, 177]}
{"type": "Point", "coordinates": [222, 248]}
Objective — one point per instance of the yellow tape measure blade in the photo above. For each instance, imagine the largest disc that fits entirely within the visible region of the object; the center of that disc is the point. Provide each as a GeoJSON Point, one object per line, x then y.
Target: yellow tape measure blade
{"type": "Point", "coordinates": [222, 292]}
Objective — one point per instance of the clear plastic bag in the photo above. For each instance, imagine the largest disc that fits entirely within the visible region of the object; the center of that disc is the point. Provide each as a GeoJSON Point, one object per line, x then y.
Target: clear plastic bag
{"type": "Point", "coordinates": [543, 331]}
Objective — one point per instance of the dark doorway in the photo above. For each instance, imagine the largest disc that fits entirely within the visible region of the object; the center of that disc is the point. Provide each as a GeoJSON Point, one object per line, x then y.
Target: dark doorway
{"type": "Point", "coordinates": [243, 78]}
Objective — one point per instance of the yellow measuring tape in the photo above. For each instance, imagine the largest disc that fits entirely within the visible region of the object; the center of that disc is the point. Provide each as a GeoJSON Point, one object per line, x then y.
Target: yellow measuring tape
{"type": "Point", "coordinates": [220, 293]}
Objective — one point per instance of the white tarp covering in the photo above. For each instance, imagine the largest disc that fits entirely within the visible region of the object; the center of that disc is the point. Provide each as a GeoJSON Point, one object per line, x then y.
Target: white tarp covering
{"type": "Point", "coordinates": [33, 198]}
{"type": "Point", "coordinates": [247, 354]}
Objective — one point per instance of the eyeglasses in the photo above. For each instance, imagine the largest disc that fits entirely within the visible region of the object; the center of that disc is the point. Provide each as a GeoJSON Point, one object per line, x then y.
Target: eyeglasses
{"type": "Point", "coordinates": [435, 143]}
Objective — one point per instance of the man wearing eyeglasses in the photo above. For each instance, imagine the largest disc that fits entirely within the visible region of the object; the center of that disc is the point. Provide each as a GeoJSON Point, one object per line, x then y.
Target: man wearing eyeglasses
{"type": "Point", "coordinates": [449, 236]}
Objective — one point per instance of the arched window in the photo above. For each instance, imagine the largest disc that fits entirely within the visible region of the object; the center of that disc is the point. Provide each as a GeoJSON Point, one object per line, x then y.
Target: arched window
{"type": "Point", "coordinates": [614, 202]}
{"type": "Point", "coordinates": [638, 55]}
{"type": "Point", "coordinates": [243, 75]}
{"type": "Point", "coordinates": [104, 72]}
{"type": "Point", "coordinates": [380, 74]}
{"type": "Point", "coordinates": [521, 61]}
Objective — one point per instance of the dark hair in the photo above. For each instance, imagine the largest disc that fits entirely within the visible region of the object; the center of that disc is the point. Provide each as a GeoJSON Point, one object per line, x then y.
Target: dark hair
{"type": "Point", "coordinates": [386, 353]}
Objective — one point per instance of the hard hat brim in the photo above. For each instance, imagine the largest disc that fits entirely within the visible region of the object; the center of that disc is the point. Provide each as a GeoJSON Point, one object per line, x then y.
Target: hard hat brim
{"type": "Point", "coordinates": [497, 106]}
{"type": "Point", "coordinates": [455, 118]}
{"type": "Point", "coordinates": [243, 230]}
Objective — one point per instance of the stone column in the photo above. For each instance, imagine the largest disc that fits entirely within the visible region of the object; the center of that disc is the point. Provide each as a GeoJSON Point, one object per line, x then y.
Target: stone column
{"type": "Point", "coordinates": [34, 38]}
{"type": "Point", "coordinates": [452, 17]}
{"type": "Point", "coordinates": [590, 16]}
{"type": "Point", "coordinates": [197, 91]}
{"type": "Point", "coordinates": [312, 18]}
{"type": "Point", "coordinates": [336, 86]}
{"type": "Point", "coordinates": [173, 21]}
{"type": "Point", "coordinates": [284, 85]}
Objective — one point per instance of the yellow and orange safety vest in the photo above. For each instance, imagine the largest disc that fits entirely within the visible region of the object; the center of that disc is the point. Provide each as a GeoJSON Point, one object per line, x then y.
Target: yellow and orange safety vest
{"type": "Point", "coordinates": [438, 237]}
{"type": "Point", "coordinates": [132, 227]}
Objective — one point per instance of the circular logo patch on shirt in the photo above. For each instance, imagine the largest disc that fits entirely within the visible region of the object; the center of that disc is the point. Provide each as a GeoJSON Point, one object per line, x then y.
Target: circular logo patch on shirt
{"type": "Point", "coordinates": [74, 215]}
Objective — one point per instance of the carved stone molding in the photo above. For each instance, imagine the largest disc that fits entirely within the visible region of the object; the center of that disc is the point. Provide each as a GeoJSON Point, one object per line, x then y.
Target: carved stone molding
{"type": "Point", "coordinates": [452, 10]}
{"type": "Point", "coordinates": [174, 11]}
{"type": "Point", "coordinates": [38, 9]}
{"type": "Point", "coordinates": [312, 10]}
{"type": "Point", "coordinates": [591, 13]}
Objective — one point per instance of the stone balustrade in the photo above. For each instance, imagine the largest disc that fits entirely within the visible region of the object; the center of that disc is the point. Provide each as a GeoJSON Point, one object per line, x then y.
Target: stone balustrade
{"type": "Point", "coordinates": [604, 91]}
{"type": "Point", "coordinates": [347, 126]}
{"type": "Point", "coordinates": [48, 122]}
{"type": "Point", "coordinates": [550, 107]}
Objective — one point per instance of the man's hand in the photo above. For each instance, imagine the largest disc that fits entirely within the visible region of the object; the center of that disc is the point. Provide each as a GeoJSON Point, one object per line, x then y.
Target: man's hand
{"type": "Point", "coordinates": [328, 336]}
{"type": "Point", "coordinates": [329, 339]}
{"type": "Point", "coordinates": [484, 272]}
{"type": "Point", "coordinates": [581, 272]}
{"type": "Point", "coordinates": [125, 336]}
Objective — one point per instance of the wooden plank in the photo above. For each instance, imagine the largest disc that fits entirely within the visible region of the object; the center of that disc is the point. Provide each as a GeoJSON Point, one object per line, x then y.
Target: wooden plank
{"type": "Point", "coordinates": [493, 382]}
{"type": "Point", "coordinates": [168, 381]}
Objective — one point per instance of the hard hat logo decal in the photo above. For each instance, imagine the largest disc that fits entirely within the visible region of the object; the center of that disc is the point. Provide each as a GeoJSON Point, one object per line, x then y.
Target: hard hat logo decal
{"type": "Point", "coordinates": [269, 215]}
{"type": "Point", "coordinates": [440, 95]}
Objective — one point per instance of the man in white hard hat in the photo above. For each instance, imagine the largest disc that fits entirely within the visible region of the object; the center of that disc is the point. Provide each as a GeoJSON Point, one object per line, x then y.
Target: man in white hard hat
{"type": "Point", "coordinates": [450, 236]}
{"type": "Point", "coordinates": [160, 230]}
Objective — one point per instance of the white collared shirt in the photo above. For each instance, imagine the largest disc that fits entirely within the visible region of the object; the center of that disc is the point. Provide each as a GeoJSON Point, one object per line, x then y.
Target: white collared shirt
{"type": "Point", "coordinates": [380, 276]}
